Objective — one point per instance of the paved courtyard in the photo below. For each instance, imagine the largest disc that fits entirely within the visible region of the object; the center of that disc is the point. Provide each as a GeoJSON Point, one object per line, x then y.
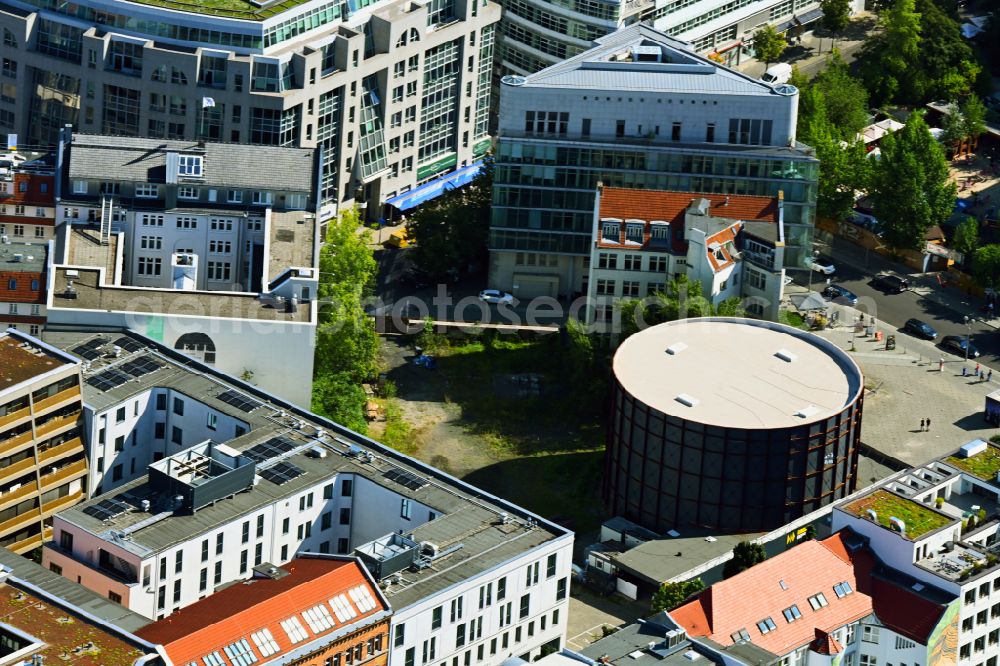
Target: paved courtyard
{"type": "Point", "coordinates": [589, 612]}
{"type": "Point", "coordinates": [905, 385]}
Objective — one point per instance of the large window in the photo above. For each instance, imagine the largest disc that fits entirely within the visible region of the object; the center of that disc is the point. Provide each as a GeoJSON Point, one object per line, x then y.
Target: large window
{"type": "Point", "coordinates": [121, 111]}
{"type": "Point", "coordinates": [126, 58]}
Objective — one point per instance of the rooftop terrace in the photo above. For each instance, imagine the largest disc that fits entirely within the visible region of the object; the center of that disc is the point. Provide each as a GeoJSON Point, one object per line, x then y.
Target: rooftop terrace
{"type": "Point", "coordinates": [917, 518]}
{"type": "Point", "coordinates": [983, 465]}
{"type": "Point", "coordinates": [467, 517]}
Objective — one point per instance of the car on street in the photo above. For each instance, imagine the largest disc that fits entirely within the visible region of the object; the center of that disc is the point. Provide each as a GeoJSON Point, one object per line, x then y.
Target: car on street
{"type": "Point", "coordinates": [840, 294]}
{"type": "Point", "coordinates": [956, 344]}
{"type": "Point", "coordinates": [496, 296]}
{"type": "Point", "coordinates": [822, 265]}
{"type": "Point", "coordinates": [921, 329]}
{"type": "Point", "coordinates": [892, 284]}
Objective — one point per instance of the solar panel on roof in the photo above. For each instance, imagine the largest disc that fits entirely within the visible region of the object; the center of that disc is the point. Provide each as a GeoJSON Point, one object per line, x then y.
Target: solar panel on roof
{"type": "Point", "coordinates": [406, 479]}
{"type": "Point", "coordinates": [239, 401]}
{"type": "Point", "coordinates": [128, 344]}
{"type": "Point", "coordinates": [108, 379]}
{"type": "Point", "coordinates": [272, 448]}
{"type": "Point", "coordinates": [105, 509]}
{"type": "Point", "coordinates": [85, 352]}
{"type": "Point", "coordinates": [281, 473]}
{"type": "Point", "coordinates": [140, 367]}
{"type": "Point", "coordinates": [95, 342]}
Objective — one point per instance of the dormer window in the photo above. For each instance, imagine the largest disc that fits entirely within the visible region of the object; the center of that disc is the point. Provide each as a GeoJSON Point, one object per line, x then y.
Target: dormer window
{"type": "Point", "coordinates": [611, 231]}
{"type": "Point", "coordinates": [634, 232]}
{"type": "Point", "coordinates": [190, 166]}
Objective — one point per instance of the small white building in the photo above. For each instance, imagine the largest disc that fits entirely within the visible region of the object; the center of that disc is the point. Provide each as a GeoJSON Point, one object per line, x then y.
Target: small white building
{"type": "Point", "coordinates": [733, 246]}
{"type": "Point", "coordinates": [228, 478]}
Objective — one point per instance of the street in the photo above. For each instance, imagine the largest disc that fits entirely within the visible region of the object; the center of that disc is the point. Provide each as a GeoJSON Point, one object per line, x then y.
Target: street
{"type": "Point", "coordinates": [941, 307]}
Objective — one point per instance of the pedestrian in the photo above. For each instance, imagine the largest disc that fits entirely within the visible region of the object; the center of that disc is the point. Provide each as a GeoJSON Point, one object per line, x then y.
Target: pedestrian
{"type": "Point", "coordinates": [982, 376]}
{"type": "Point", "coordinates": [921, 425]}
{"type": "Point", "coordinates": [989, 375]}
{"type": "Point", "coordinates": [964, 371]}
{"type": "Point", "coordinates": [928, 425]}
{"type": "Point", "coordinates": [941, 364]}
{"type": "Point", "coordinates": [977, 370]}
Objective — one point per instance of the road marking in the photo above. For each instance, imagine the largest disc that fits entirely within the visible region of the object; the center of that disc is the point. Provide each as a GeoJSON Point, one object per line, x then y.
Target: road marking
{"type": "Point", "coordinates": [588, 633]}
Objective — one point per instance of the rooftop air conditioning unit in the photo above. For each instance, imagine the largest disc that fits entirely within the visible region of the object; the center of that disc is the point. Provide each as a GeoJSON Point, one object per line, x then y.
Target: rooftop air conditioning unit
{"type": "Point", "coordinates": [18, 258]}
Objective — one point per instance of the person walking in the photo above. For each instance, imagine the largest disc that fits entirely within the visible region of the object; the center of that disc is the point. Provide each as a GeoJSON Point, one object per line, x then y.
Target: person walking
{"type": "Point", "coordinates": [982, 376]}
{"type": "Point", "coordinates": [921, 425]}
{"type": "Point", "coordinates": [941, 364]}
{"type": "Point", "coordinates": [965, 371]}
{"type": "Point", "coordinates": [928, 425]}
{"type": "Point", "coordinates": [977, 370]}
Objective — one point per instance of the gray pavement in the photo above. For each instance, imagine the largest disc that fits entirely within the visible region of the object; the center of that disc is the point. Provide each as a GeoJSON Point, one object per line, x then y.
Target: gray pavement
{"type": "Point", "coordinates": [589, 612]}
{"type": "Point", "coordinates": [905, 385]}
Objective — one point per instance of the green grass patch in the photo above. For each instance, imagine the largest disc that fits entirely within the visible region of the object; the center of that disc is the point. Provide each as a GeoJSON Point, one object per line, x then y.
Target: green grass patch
{"type": "Point", "coordinates": [231, 8]}
{"type": "Point", "coordinates": [398, 433]}
{"type": "Point", "coordinates": [918, 519]}
{"type": "Point", "coordinates": [984, 465]}
{"type": "Point", "coordinates": [790, 318]}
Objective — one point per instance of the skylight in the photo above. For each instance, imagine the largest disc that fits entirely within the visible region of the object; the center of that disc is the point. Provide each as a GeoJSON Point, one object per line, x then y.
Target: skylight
{"type": "Point", "coordinates": [766, 625]}
{"type": "Point", "coordinates": [792, 613]}
{"type": "Point", "coordinates": [818, 601]}
{"type": "Point", "coordinates": [318, 618]}
{"type": "Point", "coordinates": [741, 635]}
{"type": "Point", "coordinates": [342, 608]}
{"type": "Point", "coordinates": [296, 632]}
{"type": "Point", "coordinates": [363, 598]}
{"type": "Point", "coordinates": [265, 642]}
{"type": "Point", "coordinates": [842, 589]}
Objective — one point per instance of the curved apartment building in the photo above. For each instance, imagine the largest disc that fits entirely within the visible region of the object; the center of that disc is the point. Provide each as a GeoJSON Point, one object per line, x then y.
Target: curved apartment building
{"type": "Point", "coordinates": [394, 93]}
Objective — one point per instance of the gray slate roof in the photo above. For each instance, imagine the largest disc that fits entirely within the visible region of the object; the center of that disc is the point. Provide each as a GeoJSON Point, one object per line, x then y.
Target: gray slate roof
{"type": "Point", "coordinates": [237, 166]}
{"type": "Point", "coordinates": [682, 70]}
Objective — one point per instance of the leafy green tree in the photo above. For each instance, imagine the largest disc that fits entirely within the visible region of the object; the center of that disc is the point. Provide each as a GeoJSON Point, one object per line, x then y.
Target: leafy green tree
{"type": "Point", "coordinates": [844, 97]}
{"type": "Point", "coordinates": [953, 129]}
{"type": "Point", "coordinates": [672, 595]}
{"type": "Point", "coordinates": [966, 238]}
{"type": "Point", "coordinates": [973, 116]}
{"type": "Point", "coordinates": [946, 67]}
{"type": "Point", "coordinates": [745, 555]}
{"type": "Point", "coordinates": [843, 171]}
{"type": "Point", "coordinates": [836, 16]}
{"type": "Point", "coordinates": [986, 265]}
{"type": "Point", "coordinates": [682, 298]}
{"type": "Point", "coordinates": [451, 232]}
{"type": "Point", "coordinates": [799, 80]}
{"type": "Point", "coordinates": [911, 189]}
{"type": "Point", "coordinates": [346, 340]}
{"type": "Point", "coordinates": [888, 58]}
{"type": "Point", "coordinates": [769, 44]}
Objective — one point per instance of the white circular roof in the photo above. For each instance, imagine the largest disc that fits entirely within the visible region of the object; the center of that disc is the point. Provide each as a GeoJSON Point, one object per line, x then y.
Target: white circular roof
{"type": "Point", "coordinates": [737, 373]}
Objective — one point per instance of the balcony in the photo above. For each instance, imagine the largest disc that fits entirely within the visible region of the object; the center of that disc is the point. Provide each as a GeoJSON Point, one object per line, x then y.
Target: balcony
{"type": "Point", "coordinates": [22, 547]}
{"type": "Point", "coordinates": [57, 505]}
{"type": "Point", "coordinates": [13, 417]}
{"type": "Point", "coordinates": [13, 444]}
{"type": "Point", "coordinates": [56, 452]}
{"type": "Point", "coordinates": [17, 522]}
{"type": "Point", "coordinates": [55, 425]}
{"type": "Point", "coordinates": [764, 260]}
{"type": "Point", "coordinates": [64, 475]}
{"type": "Point", "coordinates": [58, 399]}
{"type": "Point", "coordinates": [14, 496]}
{"type": "Point", "coordinates": [18, 468]}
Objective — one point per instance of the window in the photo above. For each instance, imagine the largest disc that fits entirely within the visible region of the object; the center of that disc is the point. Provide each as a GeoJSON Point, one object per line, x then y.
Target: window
{"type": "Point", "coordinates": [116, 473]}
{"type": "Point", "coordinates": [842, 589]}
{"type": "Point", "coordinates": [187, 192]}
{"type": "Point", "coordinates": [187, 223]}
{"type": "Point", "coordinates": [546, 122]}
{"type": "Point", "coordinates": [346, 488]}
{"type": "Point", "coordinates": [234, 196]}
{"type": "Point", "coordinates": [150, 265]}
{"type": "Point", "coordinates": [189, 165]}
{"type": "Point", "coordinates": [792, 613]}
{"type": "Point", "coordinates": [345, 516]}
{"type": "Point", "coordinates": [262, 198]}
{"type": "Point", "coordinates": [246, 532]}
{"type": "Point", "coordinates": [219, 270]}
{"type": "Point", "coordinates": [436, 615]}
{"type": "Point", "coordinates": [405, 508]}
{"type": "Point", "coordinates": [766, 625]}
{"type": "Point", "coordinates": [400, 636]}
{"type": "Point", "coordinates": [151, 242]}
{"type": "Point", "coordinates": [710, 133]}
{"type": "Point", "coordinates": [178, 561]}
{"type": "Point", "coordinates": [525, 606]}
{"type": "Point", "coordinates": [818, 601]}
{"type": "Point", "coordinates": [737, 636]}
{"type": "Point", "coordinates": [147, 191]}
{"type": "Point", "coordinates": [243, 561]}
{"type": "Point", "coordinates": [869, 634]}
{"type": "Point", "coordinates": [178, 407]}
{"type": "Point", "coordinates": [561, 588]}
{"type": "Point", "coordinates": [456, 609]}
{"type": "Point", "coordinates": [605, 287]}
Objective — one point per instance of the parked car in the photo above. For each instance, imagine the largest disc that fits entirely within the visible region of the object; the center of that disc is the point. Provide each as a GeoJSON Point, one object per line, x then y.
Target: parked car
{"type": "Point", "coordinates": [865, 221]}
{"type": "Point", "coordinates": [821, 265]}
{"type": "Point", "coordinates": [892, 284]}
{"type": "Point", "coordinates": [496, 296]}
{"type": "Point", "coordinates": [777, 74]}
{"type": "Point", "coordinates": [956, 344]}
{"type": "Point", "coordinates": [921, 329]}
{"type": "Point", "coordinates": [840, 294]}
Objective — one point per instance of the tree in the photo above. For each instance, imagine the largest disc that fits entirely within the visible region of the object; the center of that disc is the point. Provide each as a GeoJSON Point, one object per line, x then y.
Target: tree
{"type": "Point", "coordinates": [946, 67]}
{"type": "Point", "coordinates": [844, 170]}
{"type": "Point", "coordinates": [745, 555]}
{"type": "Point", "coordinates": [672, 595]}
{"type": "Point", "coordinates": [973, 116]}
{"type": "Point", "coordinates": [682, 298]}
{"type": "Point", "coordinates": [911, 189]}
{"type": "Point", "coordinates": [769, 44]}
{"type": "Point", "coordinates": [836, 16]}
{"type": "Point", "coordinates": [953, 129]}
{"type": "Point", "coordinates": [346, 341]}
{"type": "Point", "coordinates": [888, 58]}
{"type": "Point", "coordinates": [966, 238]}
{"type": "Point", "coordinates": [986, 265]}
{"type": "Point", "coordinates": [844, 97]}
{"type": "Point", "coordinates": [451, 232]}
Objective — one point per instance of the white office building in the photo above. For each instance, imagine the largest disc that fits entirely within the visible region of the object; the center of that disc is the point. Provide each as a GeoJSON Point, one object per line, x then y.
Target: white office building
{"type": "Point", "coordinates": [229, 478]}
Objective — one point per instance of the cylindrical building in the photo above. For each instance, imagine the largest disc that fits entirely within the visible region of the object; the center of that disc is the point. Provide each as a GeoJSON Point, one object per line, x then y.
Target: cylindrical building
{"type": "Point", "coordinates": [731, 424]}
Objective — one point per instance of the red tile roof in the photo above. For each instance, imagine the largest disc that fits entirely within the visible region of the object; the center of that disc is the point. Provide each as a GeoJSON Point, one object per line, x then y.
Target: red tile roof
{"type": "Point", "coordinates": [627, 203]}
{"type": "Point", "coordinates": [727, 235]}
{"type": "Point", "coordinates": [794, 576]}
{"type": "Point", "coordinates": [251, 606]}
{"type": "Point", "coordinates": [826, 644]}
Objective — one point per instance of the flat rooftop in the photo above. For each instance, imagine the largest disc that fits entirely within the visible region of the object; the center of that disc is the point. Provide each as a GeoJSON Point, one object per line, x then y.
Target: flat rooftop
{"type": "Point", "coordinates": [983, 465]}
{"type": "Point", "coordinates": [918, 519]}
{"type": "Point", "coordinates": [59, 635]}
{"type": "Point", "coordinates": [21, 361]}
{"type": "Point", "coordinates": [466, 515]}
{"type": "Point", "coordinates": [23, 257]}
{"type": "Point", "coordinates": [292, 237]}
{"type": "Point", "coordinates": [91, 295]}
{"type": "Point", "coordinates": [737, 373]}
{"type": "Point", "coordinates": [85, 249]}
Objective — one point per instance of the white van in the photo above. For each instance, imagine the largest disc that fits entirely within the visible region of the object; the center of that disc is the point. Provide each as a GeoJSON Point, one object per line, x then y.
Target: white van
{"type": "Point", "coordinates": [777, 74]}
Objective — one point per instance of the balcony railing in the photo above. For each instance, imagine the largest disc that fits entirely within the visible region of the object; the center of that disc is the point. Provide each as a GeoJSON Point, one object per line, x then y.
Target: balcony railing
{"type": "Point", "coordinates": [57, 399]}
{"type": "Point", "coordinates": [15, 496]}
{"type": "Point", "coordinates": [63, 474]}
{"type": "Point", "coordinates": [22, 547]}
{"type": "Point", "coordinates": [61, 503]}
{"type": "Point", "coordinates": [56, 452]}
{"type": "Point", "coordinates": [52, 426]}
{"type": "Point", "coordinates": [12, 444]}
{"type": "Point", "coordinates": [14, 416]}
{"type": "Point", "coordinates": [17, 522]}
{"type": "Point", "coordinates": [18, 468]}
{"type": "Point", "coordinates": [759, 258]}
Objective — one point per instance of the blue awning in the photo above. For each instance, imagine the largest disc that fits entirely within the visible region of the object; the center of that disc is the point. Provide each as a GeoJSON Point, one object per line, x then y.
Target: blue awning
{"type": "Point", "coordinates": [805, 19]}
{"type": "Point", "coordinates": [436, 187]}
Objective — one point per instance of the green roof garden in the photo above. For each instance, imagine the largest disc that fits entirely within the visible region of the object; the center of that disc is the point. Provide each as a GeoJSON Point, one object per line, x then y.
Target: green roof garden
{"type": "Point", "coordinates": [237, 9]}
{"type": "Point", "coordinates": [917, 518]}
{"type": "Point", "coordinates": [984, 464]}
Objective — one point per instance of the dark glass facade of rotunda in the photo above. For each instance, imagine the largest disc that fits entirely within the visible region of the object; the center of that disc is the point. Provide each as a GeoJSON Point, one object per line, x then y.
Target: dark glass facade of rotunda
{"type": "Point", "coordinates": [664, 472]}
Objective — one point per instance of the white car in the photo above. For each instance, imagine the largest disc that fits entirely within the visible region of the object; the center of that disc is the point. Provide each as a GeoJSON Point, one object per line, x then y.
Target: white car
{"type": "Point", "coordinates": [496, 296]}
{"type": "Point", "coordinates": [821, 265]}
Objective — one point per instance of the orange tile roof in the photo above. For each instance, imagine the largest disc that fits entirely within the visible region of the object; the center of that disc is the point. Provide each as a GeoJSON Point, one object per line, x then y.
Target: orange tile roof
{"type": "Point", "coordinates": [814, 566]}
{"type": "Point", "coordinates": [727, 235]}
{"type": "Point", "coordinates": [250, 606]}
{"type": "Point", "coordinates": [669, 206]}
